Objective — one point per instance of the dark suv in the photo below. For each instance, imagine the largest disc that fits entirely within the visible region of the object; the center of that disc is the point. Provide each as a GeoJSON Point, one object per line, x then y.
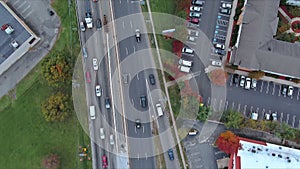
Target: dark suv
{"type": "Point", "coordinates": [152, 79]}
{"type": "Point", "coordinates": [143, 101]}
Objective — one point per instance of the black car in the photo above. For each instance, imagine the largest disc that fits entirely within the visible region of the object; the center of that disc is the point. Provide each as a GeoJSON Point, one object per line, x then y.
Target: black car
{"type": "Point", "coordinates": [220, 52]}
{"type": "Point", "coordinates": [143, 101]}
{"type": "Point", "coordinates": [138, 35]}
{"type": "Point", "coordinates": [171, 154]}
{"type": "Point", "coordinates": [138, 123]}
{"type": "Point", "coordinates": [235, 78]}
{"type": "Point", "coordinates": [225, 11]}
{"type": "Point", "coordinates": [152, 79]}
{"type": "Point", "coordinates": [98, 24]}
{"type": "Point", "coordinates": [107, 103]}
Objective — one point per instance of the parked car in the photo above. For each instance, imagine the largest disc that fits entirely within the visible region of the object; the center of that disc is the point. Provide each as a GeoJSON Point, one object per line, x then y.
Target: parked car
{"type": "Point", "coordinates": [143, 101]}
{"type": "Point", "coordinates": [191, 38]}
{"type": "Point", "coordinates": [195, 8]}
{"type": "Point", "coordinates": [267, 116]}
{"type": "Point", "coordinates": [197, 2]}
{"type": "Point", "coordinates": [98, 90]}
{"type": "Point", "coordinates": [225, 11]}
{"type": "Point", "coordinates": [290, 91]}
{"type": "Point", "coordinates": [195, 15]}
{"type": "Point", "coordinates": [104, 161]}
{"type": "Point", "coordinates": [253, 84]}
{"type": "Point", "coordinates": [284, 89]}
{"type": "Point", "coordinates": [219, 46]}
{"type": "Point", "coordinates": [226, 5]}
{"type": "Point", "coordinates": [152, 79]}
{"type": "Point", "coordinates": [235, 78]}
{"type": "Point", "coordinates": [194, 20]}
{"type": "Point", "coordinates": [274, 116]}
{"type": "Point", "coordinates": [187, 50]}
{"type": "Point", "coordinates": [88, 77]}
{"type": "Point", "coordinates": [216, 63]}
{"type": "Point", "coordinates": [193, 32]}
{"type": "Point", "coordinates": [193, 132]}
{"type": "Point", "coordinates": [107, 103]}
{"type": "Point", "coordinates": [242, 81]}
{"type": "Point", "coordinates": [95, 64]}
{"type": "Point", "coordinates": [248, 83]}
{"type": "Point", "coordinates": [138, 123]}
{"type": "Point", "coordinates": [220, 52]}
{"type": "Point", "coordinates": [254, 115]}
{"type": "Point", "coordinates": [138, 35]}
{"type": "Point", "coordinates": [171, 154]}
{"type": "Point", "coordinates": [82, 26]}
{"type": "Point", "coordinates": [98, 24]}
{"type": "Point", "coordinates": [84, 52]}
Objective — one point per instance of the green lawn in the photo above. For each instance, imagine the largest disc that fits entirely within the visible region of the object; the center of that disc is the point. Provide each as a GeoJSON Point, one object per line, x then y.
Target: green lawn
{"type": "Point", "coordinates": [25, 135]}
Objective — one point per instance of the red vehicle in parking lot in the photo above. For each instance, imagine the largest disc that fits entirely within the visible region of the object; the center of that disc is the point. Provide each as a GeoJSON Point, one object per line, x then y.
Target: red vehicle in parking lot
{"type": "Point", "coordinates": [194, 20]}
{"type": "Point", "coordinates": [104, 161]}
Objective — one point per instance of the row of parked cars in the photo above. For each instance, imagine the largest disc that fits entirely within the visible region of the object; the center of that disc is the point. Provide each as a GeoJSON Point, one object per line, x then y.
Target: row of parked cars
{"type": "Point", "coordinates": [245, 82]}
{"type": "Point", "coordinates": [268, 116]}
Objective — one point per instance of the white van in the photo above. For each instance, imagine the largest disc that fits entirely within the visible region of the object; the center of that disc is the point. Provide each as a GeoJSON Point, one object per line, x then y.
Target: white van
{"type": "Point", "coordinates": [184, 69]}
{"type": "Point", "coordinates": [185, 62]}
{"type": "Point", "coordinates": [159, 110]}
{"type": "Point", "coordinates": [92, 112]}
{"type": "Point", "coordinates": [187, 50]}
{"type": "Point", "coordinates": [193, 132]}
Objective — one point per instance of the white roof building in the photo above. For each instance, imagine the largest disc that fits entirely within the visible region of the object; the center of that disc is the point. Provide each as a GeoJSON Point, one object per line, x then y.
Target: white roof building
{"type": "Point", "coordinates": [256, 154]}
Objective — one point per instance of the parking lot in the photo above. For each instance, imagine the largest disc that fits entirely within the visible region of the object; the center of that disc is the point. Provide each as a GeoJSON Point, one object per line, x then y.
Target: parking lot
{"type": "Point", "coordinates": [266, 98]}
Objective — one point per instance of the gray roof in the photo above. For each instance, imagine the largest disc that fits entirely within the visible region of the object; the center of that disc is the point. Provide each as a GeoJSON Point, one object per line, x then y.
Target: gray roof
{"type": "Point", "coordinates": [257, 49]}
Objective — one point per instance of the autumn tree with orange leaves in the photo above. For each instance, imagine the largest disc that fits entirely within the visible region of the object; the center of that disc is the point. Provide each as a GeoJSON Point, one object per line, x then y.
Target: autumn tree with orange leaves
{"type": "Point", "coordinates": [228, 142]}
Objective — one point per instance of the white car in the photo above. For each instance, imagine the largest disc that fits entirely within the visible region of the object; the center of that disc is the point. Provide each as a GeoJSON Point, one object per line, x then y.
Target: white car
{"type": "Point", "coordinates": [195, 15]}
{"type": "Point", "coordinates": [226, 5]}
{"type": "Point", "coordinates": [95, 64]}
{"type": "Point", "coordinates": [253, 84]}
{"type": "Point", "coordinates": [219, 46]}
{"type": "Point", "coordinates": [102, 135]}
{"type": "Point", "coordinates": [274, 116]}
{"type": "Point", "coordinates": [267, 116]}
{"type": "Point", "coordinates": [111, 139]}
{"type": "Point", "coordinates": [242, 81]}
{"type": "Point", "coordinates": [248, 83]}
{"type": "Point", "coordinates": [192, 39]}
{"type": "Point", "coordinates": [216, 63]}
{"type": "Point", "coordinates": [98, 90]}
{"type": "Point", "coordinates": [195, 8]}
{"type": "Point", "coordinates": [290, 91]}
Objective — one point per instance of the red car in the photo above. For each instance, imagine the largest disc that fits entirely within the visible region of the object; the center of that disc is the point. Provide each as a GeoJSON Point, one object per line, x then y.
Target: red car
{"type": "Point", "coordinates": [95, 0]}
{"type": "Point", "coordinates": [88, 77]}
{"type": "Point", "coordinates": [194, 20]}
{"type": "Point", "coordinates": [104, 161]}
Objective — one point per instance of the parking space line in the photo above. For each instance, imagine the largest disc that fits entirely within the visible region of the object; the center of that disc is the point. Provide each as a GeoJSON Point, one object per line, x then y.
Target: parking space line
{"type": "Point", "coordinates": [281, 116]}
{"type": "Point", "coordinates": [279, 90]}
{"type": "Point", "coordinates": [263, 113]}
{"type": "Point", "coordinates": [133, 49]}
{"type": "Point", "coordinates": [132, 102]}
{"type": "Point", "coordinates": [251, 109]}
{"type": "Point", "coordinates": [232, 105]}
{"type": "Point", "coordinates": [293, 121]}
{"type": "Point", "coordinates": [298, 94]}
{"type": "Point", "coordinates": [17, 1]}
{"type": "Point", "coordinates": [239, 107]}
{"type": "Point", "coordinates": [231, 79]}
{"type": "Point", "coordinates": [268, 84]}
{"type": "Point", "coordinates": [244, 111]}
{"type": "Point", "coordinates": [273, 92]}
{"type": "Point", "coordinates": [226, 104]}
{"type": "Point", "coordinates": [130, 23]}
{"type": "Point", "coordinates": [21, 4]}
{"type": "Point", "coordinates": [257, 109]}
{"type": "Point", "coordinates": [123, 24]}
{"type": "Point", "coordinates": [214, 102]}
{"type": "Point", "coordinates": [287, 118]}
{"type": "Point", "coordinates": [223, 14]}
{"type": "Point", "coordinates": [220, 105]}
{"type": "Point", "coordinates": [208, 101]}
{"type": "Point", "coordinates": [261, 87]}
{"type": "Point", "coordinates": [126, 51]}
{"type": "Point", "coordinates": [25, 9]}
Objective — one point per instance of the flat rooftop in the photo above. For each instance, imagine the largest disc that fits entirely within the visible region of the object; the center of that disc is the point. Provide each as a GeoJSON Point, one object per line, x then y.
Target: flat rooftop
{"type": "Point", "coordinates": [24, 37]}
{"type": "Point", "coordinates": [267, 156]}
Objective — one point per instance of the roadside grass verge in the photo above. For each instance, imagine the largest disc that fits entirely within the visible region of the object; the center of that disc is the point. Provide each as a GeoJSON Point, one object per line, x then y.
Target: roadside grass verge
{"type": "Point", "coordinates": [26, 136]}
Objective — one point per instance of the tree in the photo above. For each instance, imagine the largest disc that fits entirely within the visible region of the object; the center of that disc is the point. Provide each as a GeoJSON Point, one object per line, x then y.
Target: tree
{"type": "Point", "coordinates": [287, 132]}
{"type": "Point", "coordinates": [218, 77]}
{"type": "Point", "coordinates": [203, 113]}
{"type": "Point", "coordinates": [177, 47]}
{"type": "Point", "coordinates": [51, 162]}
{"type": "Point", "coordinates": [234, 119]}
{"type": "Point", "coordinates": [228, 142]}
{"type": "Point", "coordinates": [57, 68]}
{"type": "Point", "coordinates": [57, 107]}
{"type": "Point", "coordinates": [256, 74]}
